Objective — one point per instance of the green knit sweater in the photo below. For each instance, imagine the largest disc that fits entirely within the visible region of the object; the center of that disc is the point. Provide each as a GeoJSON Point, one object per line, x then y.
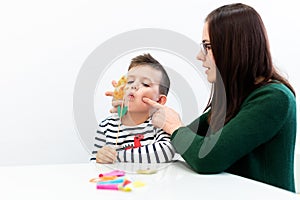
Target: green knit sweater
{"type": "Point", "coordinates": [258, 143]}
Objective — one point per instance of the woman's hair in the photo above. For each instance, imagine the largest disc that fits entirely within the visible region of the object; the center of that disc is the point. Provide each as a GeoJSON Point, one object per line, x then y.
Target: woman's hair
{"type": "Point", "coordinates": [241, 50]}
{"type": "Point", "coordinates": [147, 59]}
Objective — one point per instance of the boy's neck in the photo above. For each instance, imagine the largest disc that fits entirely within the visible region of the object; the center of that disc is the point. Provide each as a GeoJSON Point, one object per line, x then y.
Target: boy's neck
{"type": "Point", "coordinates": [133, 119]}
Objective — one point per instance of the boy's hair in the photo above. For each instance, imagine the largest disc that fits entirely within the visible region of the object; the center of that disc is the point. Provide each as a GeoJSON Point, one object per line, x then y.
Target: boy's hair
{"type": "Point", "coordinates": [147, 59]}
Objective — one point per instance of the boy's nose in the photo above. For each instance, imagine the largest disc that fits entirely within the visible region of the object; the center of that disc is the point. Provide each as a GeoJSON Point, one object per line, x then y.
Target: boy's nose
{"type": "Point", "coordinates": [134, 87]}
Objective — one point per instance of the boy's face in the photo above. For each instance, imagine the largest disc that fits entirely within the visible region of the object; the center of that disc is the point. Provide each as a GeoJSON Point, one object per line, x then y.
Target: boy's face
{"type": "Point", "coordinates": [142, 81]}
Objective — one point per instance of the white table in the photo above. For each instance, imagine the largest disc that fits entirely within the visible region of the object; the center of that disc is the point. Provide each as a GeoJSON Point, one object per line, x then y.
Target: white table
{"type": "Point", "coordinates": [172, 181]}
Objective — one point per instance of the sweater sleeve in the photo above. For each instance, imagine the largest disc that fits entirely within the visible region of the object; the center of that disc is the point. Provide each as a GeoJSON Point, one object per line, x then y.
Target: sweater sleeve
{"type": "Point", "coordinates": [200, 125]}
{"type": "Point", "coordinates": [159, 151]}
{"type": "Point", "coordinates": [259, 119]}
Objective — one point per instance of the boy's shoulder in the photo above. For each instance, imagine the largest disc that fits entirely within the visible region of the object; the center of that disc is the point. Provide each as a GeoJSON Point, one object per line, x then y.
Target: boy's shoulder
{"type": "Point", "coordinates": [113, 118]}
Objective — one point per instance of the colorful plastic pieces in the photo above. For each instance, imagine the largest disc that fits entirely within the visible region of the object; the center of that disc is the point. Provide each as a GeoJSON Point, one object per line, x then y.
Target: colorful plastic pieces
{"type": "Point", "coordinates": [115, 180]}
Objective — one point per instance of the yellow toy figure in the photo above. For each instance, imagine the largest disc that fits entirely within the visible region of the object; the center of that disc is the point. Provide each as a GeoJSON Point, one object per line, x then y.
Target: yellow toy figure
{"type": "Point", "coordinates": [119, 95]}
{"type": "Point", "coordinates": [119, 89]}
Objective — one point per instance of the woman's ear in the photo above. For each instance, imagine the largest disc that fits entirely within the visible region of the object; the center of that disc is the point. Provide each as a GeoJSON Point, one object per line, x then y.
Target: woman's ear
{"type": "Point", "coordinates": [162, 99]}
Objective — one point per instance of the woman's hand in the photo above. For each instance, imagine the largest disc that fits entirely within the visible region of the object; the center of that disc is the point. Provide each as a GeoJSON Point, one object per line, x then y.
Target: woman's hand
{"type": "Point", "coordinates": [164, 117]}
{"type": "Point", "coordinates": [106, 155]}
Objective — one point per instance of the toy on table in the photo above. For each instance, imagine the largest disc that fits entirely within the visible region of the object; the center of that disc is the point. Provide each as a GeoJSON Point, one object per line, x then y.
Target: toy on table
{"type": "Point", "coordinates": [115, 180]}
{"type": "Point", "coordinates": [113, 173]}
{"type": "Point", "coordinates": [146, 171]}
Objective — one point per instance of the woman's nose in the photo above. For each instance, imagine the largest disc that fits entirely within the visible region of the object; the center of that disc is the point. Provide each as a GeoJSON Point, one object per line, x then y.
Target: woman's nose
{"type": "Point", "coordinates": [200, 56]}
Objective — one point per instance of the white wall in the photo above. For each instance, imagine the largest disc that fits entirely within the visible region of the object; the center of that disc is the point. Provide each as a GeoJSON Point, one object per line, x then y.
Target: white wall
{"type": "Point", "coordinates": [43, 45]}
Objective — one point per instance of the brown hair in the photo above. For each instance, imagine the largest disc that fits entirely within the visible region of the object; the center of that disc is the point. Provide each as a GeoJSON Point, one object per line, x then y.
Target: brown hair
{"type": "Point", "coordinates": [147, 59]}
{"type": "Point", "coordinates": [240, 47]}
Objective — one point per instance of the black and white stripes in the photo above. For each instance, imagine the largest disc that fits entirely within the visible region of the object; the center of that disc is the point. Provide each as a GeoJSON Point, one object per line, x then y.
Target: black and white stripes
{"type": "Point", "coordinates": [142, 143]}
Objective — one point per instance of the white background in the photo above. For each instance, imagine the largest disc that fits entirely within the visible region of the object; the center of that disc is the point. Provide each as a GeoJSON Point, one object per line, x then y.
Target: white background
{"type": "Point", "coordinates": [43, 45]}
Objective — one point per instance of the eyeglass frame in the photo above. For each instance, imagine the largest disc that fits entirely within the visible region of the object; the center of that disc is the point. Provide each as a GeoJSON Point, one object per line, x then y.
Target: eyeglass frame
{"type": "Point", "coordinates": [204, 47]}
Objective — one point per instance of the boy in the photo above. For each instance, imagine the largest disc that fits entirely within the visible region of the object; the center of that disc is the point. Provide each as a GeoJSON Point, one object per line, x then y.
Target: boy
{"type": "Point", "coordinates": [133, 138]}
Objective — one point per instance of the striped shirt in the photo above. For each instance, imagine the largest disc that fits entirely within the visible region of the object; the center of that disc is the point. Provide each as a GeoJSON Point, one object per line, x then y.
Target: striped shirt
{"type": "Point", "coordinates": [142, 143]}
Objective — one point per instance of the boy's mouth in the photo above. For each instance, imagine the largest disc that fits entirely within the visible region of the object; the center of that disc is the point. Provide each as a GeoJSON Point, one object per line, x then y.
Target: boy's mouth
{"type": "Point", "coordinates": [131, 96]}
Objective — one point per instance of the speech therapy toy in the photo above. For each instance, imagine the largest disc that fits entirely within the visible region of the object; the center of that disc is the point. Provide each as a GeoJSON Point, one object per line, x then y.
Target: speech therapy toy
{"type": "Point", "coordinates": [119, 95]}
{"type": "Point", "coordinates": [115, 180]}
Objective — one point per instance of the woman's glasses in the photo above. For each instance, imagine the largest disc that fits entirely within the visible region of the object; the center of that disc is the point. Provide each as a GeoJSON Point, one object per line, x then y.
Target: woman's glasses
{"type": "Point", "coordinates": [204, 47]}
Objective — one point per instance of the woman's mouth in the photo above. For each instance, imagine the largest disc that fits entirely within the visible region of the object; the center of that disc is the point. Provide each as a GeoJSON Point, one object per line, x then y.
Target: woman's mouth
{"type": "Point", "coordinates": [207, 69]}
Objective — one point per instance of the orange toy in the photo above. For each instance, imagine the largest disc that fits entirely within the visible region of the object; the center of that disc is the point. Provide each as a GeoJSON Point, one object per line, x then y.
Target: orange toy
{"type": "Point", "coordinates": [119, 89]}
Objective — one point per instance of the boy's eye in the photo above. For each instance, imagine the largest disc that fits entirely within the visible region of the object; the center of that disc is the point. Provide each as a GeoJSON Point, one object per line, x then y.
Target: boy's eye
{"type": "Point", "coordinates": [129, 82]}
{"type": "Point", "coordinates": [146, 85]}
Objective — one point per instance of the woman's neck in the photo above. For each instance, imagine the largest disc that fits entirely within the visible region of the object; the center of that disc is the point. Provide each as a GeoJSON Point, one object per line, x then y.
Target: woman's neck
{"type": "Point", "coordinates": [259, 80]}
{"type": "Point", "coordinates": [133, 119]}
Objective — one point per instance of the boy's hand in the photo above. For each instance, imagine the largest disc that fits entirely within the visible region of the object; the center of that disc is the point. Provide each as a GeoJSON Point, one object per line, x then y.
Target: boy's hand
{"type": "Point", "coordinates": [106, 155]}
{"type": "Point", "coordinates": [111, 93]}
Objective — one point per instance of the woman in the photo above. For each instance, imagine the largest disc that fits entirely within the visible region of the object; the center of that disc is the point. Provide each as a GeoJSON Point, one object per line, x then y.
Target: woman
{"type": "Point", "coordinates": [249, 126]}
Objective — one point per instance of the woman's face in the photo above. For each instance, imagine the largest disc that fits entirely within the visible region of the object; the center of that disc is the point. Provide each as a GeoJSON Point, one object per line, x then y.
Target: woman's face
{"type": "Point", "coordinates": [206, 56]}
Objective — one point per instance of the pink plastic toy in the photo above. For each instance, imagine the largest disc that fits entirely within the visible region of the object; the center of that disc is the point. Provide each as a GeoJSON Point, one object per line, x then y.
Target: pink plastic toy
{"type": "Point", "coordinates": [113, 173]}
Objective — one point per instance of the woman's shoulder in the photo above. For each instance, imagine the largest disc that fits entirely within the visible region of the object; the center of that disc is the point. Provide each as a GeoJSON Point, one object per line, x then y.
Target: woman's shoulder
{"type": "Point", "coordinates": [277, 86]}
{"type": "Point", "coordinates": [273, 92]}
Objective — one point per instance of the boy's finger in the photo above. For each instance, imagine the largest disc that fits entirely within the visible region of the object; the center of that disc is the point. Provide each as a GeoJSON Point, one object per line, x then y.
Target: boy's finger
{"type": "Point", "coordinates": [113, 110]}
{"type": "Point", "coordinates": [116, 103]}
{"type": "Point", "coordinates": [110, 152]}
{"type": "Point", "coordinates": [104, 160]}
{"type": "Point", "coordinates": [109, 93]}
{"type": "Point", "coordinates": [106, 157]}
{"type": "Point", "coordinates": [114, 83]}
{"type": "Point", "coordinates": [111, 158]}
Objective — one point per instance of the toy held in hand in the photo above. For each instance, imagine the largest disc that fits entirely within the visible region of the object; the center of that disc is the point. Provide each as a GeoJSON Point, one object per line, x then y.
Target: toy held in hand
{"type": "Point", "coordinates": [119, 95]}
{"type": "Point", "coordinates": [119, 89]}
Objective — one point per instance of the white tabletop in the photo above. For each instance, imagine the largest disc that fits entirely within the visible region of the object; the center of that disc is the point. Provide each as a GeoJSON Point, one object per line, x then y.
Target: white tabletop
{"type": "Point", "coordinates": [171, 181]}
